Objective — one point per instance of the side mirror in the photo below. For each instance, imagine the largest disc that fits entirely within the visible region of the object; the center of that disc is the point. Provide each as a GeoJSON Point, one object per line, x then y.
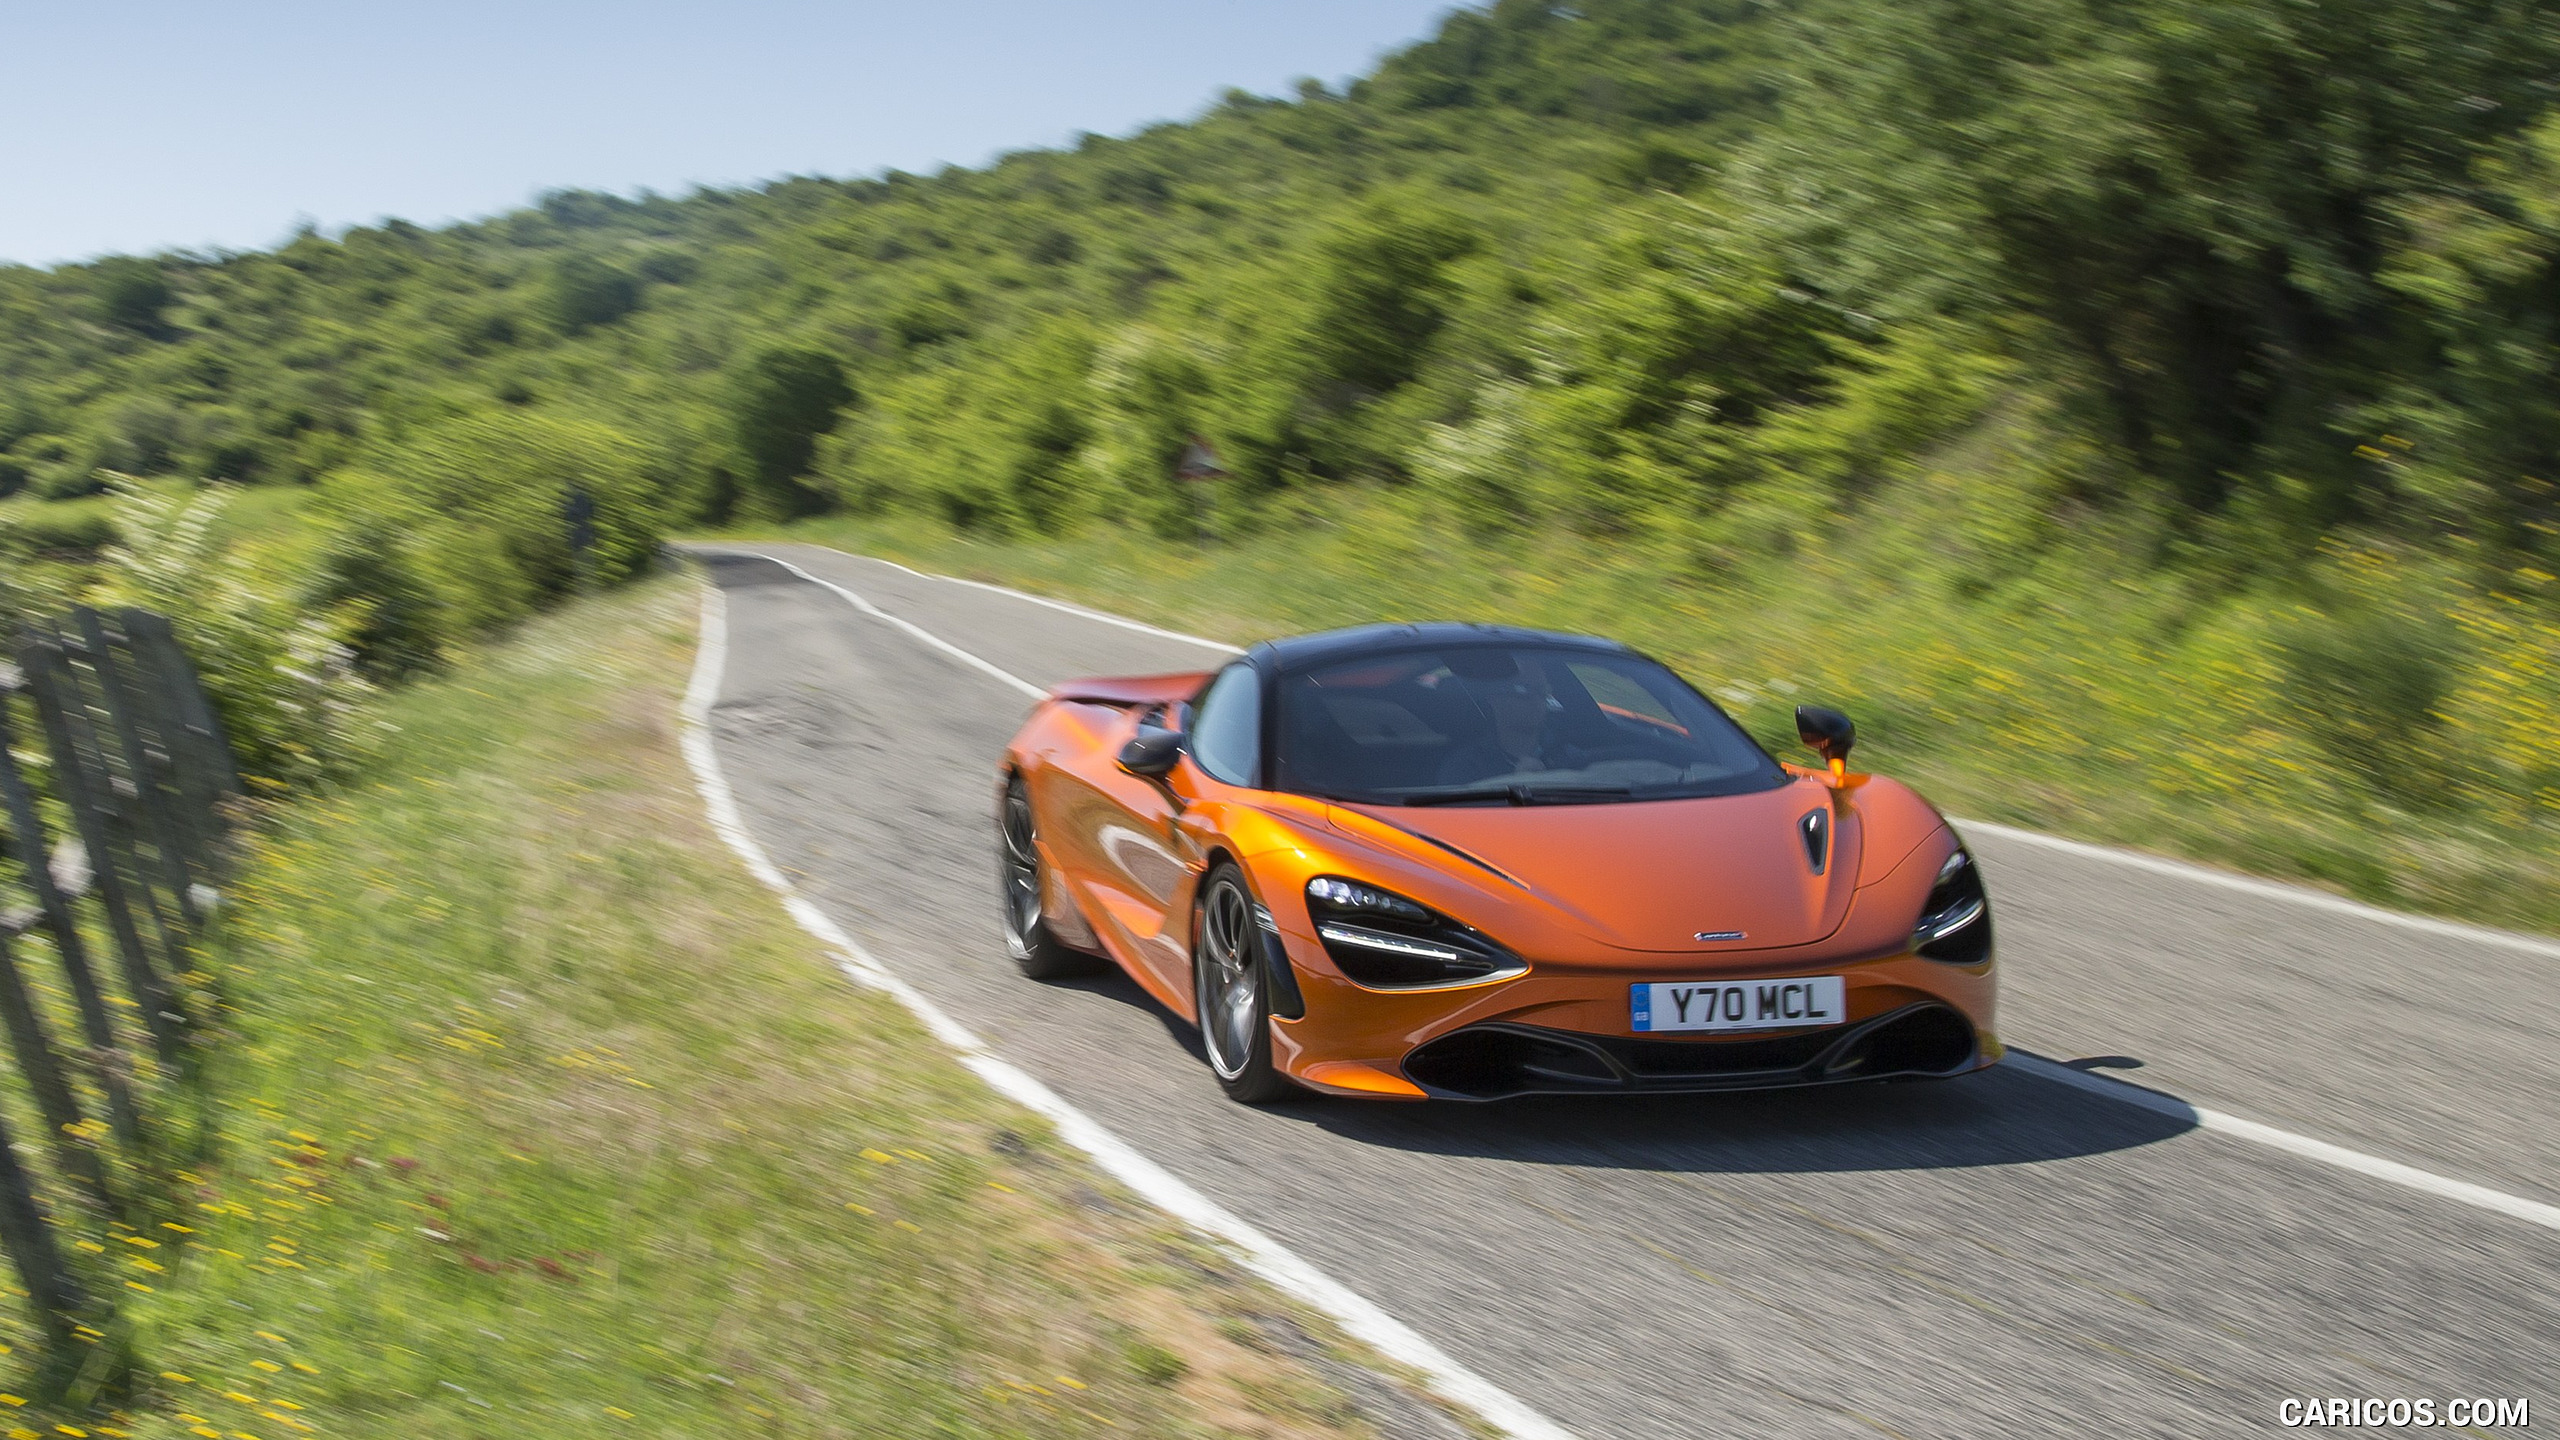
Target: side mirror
{"type": "Point", "coordinates": [1828, 733]}
{"type": "Point", "coordinates": [1151, 751]}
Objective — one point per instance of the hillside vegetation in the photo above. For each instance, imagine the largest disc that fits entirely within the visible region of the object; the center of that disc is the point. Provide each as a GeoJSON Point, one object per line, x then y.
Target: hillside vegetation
{"type": "Point", "coordinates": [2143, 413]}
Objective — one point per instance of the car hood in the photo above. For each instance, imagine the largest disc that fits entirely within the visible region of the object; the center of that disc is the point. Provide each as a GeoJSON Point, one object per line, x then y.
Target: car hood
{"type": "Point", "coordinates": [1659, 875]}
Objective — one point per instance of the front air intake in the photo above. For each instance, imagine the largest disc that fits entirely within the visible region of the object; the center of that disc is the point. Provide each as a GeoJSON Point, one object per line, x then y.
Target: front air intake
{"type": "Point", "coordinates": [1498, 1059]}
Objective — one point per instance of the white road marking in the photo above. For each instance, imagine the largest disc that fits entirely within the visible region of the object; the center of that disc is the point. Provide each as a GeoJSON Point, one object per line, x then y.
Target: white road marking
{"type": "Point", "coordinates": [1106, 617]}
{"type": "Point", "coordinates": [2313, 899]}
{"type": "Point", "coordinates": [876, 613]}
{"type": "Point", "coordinates": [1257, 1252]}
{"type": "Point", "coordinates": [2533, 1211]}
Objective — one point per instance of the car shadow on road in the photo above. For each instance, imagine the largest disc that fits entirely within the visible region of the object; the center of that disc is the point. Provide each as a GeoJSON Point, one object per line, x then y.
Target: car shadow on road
{"type": "Point", "coordinates": [2002, 1116]}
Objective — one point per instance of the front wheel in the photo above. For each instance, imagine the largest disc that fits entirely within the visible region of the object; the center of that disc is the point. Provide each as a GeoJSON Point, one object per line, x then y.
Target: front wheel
{"type": "Point", "coordinates": [1232, 991]}
{"type": "Point", "coordinates": [1019, 871]}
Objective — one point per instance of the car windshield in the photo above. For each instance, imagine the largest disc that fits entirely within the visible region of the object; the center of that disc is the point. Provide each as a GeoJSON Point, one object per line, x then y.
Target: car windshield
{"type": "Point", "coordinates": [1508, 725]}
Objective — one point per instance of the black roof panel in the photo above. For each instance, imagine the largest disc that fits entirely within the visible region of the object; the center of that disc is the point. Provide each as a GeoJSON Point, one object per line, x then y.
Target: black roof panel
{"type": "Point", "coordinates": [1300, 651]}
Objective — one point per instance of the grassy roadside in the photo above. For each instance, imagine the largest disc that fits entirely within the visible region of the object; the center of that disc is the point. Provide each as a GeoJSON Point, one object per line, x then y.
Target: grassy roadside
{"type": "Point", "coordinates": [2015, 670]}
{"type": "Point", "coordinates": [541, 1119]}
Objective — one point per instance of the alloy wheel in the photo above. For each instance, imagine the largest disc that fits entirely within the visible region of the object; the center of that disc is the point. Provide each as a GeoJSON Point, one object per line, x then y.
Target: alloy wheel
{"type": "Point", "coordinates": [1229, 984]}
{"type": "Point", "coordinates": [1022, 878]}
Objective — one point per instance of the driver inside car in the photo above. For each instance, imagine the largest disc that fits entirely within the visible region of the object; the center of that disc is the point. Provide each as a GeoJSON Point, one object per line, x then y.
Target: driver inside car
{"type": "Point", "coordinates": [1521, 705]}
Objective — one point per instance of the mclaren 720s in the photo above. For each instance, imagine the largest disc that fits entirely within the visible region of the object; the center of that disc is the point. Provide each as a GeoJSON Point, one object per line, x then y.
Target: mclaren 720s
{"type": "Point", "coordinates": [1474, 862]}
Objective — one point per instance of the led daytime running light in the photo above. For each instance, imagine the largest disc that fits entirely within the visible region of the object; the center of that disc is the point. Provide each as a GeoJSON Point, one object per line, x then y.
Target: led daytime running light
{"type": "Point", "coordinates": [1394, 945]}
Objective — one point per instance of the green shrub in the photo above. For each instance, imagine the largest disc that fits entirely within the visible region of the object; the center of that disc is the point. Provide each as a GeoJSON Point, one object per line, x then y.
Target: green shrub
{"type": "Point", "coordinates": [221, 442]}
{"type": "Point", "coordinates": [1488, 470]}
{"type": "Point", "coordinates": [583, 292]}
{"type": "Point", "coordinates": [1147, 389]}
{"type": "Point", "coordinates": [782, 400]}
{"type": "Point", "coordinates": [70, 482]}
{"type": "Point", "coordinates": [131, 294]}
{"type": "Point", "coordinates": [60, 467]}
{"type": "Point", "coordinates": [281, 673]}
{"type": "Point", "coordinates": [398, 625]}
{"type": "Point", "coordinates": [480, 503]}
{"type": "Point", "coordinates": [1384, 290]}
{"type": "Point", "coordinates": [59, 531]}
{"type": "Point", "coordinates": [2368, 686]}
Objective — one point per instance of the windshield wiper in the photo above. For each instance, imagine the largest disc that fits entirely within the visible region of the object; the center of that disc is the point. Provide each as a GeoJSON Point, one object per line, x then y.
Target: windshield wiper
{"type": "Point", "coordinates": [1516, 794]}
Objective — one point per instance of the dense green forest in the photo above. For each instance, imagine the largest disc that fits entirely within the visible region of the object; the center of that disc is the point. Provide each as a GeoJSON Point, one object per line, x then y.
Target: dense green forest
{"type": "Point", "coordinates": [2226, 327]}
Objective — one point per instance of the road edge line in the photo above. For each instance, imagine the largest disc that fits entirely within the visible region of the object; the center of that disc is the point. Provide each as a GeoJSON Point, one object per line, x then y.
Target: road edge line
{"type": "Point", "coordinates": [2271, 889]}
{"type": "Point", "coordinates": [2428, 1182]}
{"type": "Point", "coordinates": [984, 667]}
{"type": "Point", "coordinates": [1275, 1263]}
{"type": "Point", "coordinates": [1069, 606]}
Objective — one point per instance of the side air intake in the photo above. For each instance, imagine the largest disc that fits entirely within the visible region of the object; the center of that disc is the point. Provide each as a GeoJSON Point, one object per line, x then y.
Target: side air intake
{"type": "Point", "coordinates": [1815, 829]}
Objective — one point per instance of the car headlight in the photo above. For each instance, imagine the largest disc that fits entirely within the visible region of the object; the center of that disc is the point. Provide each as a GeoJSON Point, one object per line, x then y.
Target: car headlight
{"type": "Point", "coordinates": [1955, 924]}
{"type": "Point", "coordinates": [1384, 941]}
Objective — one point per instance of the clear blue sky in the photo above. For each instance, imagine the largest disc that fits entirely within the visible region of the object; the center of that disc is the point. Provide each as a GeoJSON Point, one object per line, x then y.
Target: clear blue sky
{"type": "Point", "coordinates": [157, 125]}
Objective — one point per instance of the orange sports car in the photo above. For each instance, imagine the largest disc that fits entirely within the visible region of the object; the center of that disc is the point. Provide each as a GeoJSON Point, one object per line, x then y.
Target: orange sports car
{"type": "Point", "coordinates": [1474, 862]}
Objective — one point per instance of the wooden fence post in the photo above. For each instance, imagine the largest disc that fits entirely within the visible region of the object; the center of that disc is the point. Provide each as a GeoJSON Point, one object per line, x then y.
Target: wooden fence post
{"type": "Point", "coordinates": [193, 795]}
{"type": "Point", "coordinates": [151, 633]}
{"type": "Point", "coordinates": [67, 1128]}
{"type": "Point", "coordinates": [27, 840]}
{"type": "Point", "coordinates": [58, 1299]}
{"type": "Point", "coordinates": [150, 819]}
{"type": "Point", "coordinates": [88, 695]}
{"type": "Point", "coordinates": [81, 777]}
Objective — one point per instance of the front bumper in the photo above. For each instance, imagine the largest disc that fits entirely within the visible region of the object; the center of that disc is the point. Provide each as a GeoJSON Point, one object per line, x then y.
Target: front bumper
{"type": "Point", "coordinates": [1568, 1030]}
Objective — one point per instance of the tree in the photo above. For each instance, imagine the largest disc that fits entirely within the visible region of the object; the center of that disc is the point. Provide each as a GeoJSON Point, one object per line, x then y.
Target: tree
{"type": "Point", "coordinates": [131, 294]}
{"type": "Point", "coordinates": [782, 400]}
{"type": "Point", "coordinates": [2190, 199]}
{"type": "Point", "coordinates": [2481, 277]}
{"type": "Point", "coordinates": [1385, 292]}
{"type": "Point", "coordinates": [585, 292]}
{"type": "Point", "coordinates": [475, 509]}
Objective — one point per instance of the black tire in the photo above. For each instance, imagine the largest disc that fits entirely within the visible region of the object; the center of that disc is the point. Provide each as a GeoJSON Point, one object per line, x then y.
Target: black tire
{"type": "Point", "coordinates": [1231, 989]}
{"type": "Point", "coordinates": [1023, 891]}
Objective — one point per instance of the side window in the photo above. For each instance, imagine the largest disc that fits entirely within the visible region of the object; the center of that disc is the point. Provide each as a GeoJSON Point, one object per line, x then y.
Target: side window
{"type": "Point", "coordinates": [1226, 731]}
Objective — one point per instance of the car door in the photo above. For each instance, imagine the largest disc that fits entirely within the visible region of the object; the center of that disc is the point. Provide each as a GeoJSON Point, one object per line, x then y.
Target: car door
{"type": "Point", "coordinates": [1134, 870]}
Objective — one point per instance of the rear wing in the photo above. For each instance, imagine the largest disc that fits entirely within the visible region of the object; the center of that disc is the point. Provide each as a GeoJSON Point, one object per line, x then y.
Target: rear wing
{"type": "Point", "coordinates": [1131, 691]}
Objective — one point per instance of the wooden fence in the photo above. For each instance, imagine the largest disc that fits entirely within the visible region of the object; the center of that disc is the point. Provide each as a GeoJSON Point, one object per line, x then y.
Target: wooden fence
{"type": "Point", "coordinates": [116, 794]}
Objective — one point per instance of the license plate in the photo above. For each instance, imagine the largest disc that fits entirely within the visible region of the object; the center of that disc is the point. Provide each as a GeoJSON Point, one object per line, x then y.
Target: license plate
{"type": "Point", "coordinates": [1795, 1003]}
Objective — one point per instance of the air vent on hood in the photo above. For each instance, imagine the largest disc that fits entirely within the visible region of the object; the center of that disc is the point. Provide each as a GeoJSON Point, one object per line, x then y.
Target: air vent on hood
{"type": "Point", "coordinates": [1815, 828]}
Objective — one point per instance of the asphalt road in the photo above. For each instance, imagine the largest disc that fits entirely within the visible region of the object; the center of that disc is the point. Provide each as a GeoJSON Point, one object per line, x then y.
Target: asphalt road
{"type": "Point", "coordinates": [2000, 1254]}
